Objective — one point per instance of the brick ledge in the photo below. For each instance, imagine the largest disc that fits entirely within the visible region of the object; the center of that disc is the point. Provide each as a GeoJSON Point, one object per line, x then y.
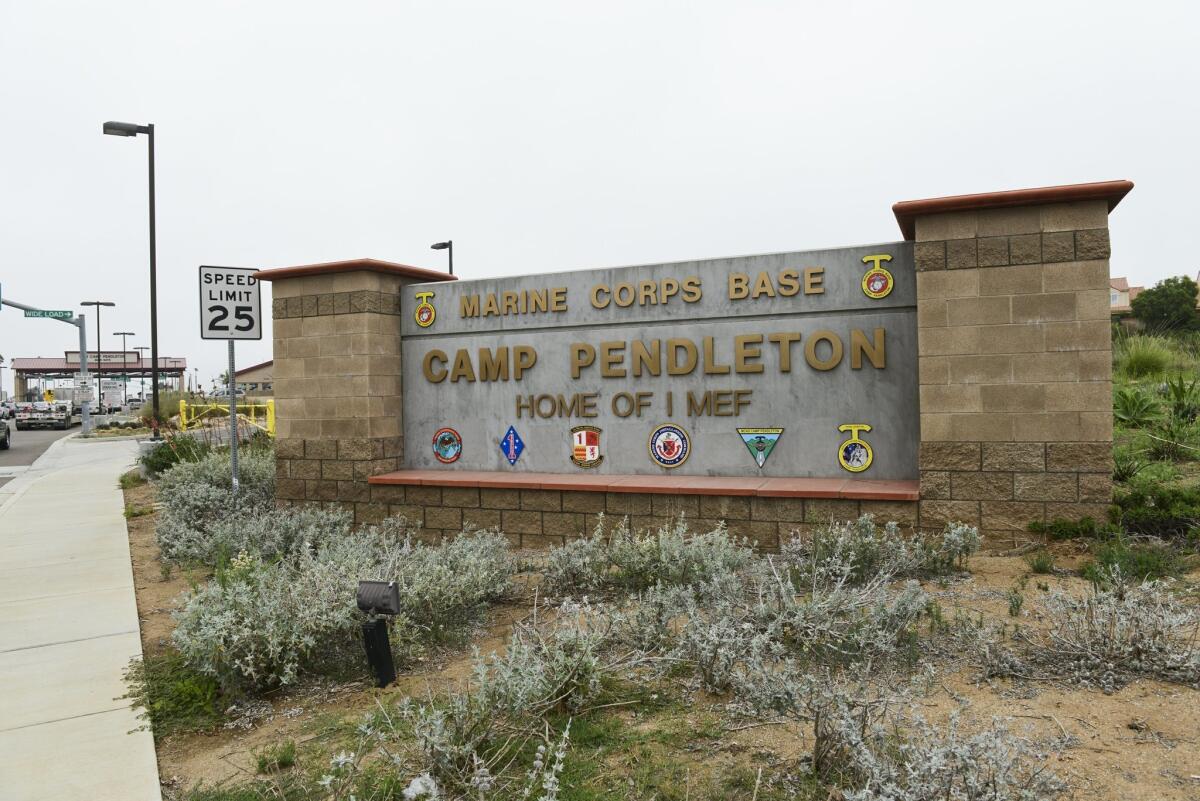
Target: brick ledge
{"type": "Point", "coordinates": [860, 489]}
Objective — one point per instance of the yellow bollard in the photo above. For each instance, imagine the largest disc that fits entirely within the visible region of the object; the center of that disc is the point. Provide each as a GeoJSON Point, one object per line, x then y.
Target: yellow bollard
{"type": "Point", "coordinates": [271, 417]}
{"type": "Point", "coordinates": [182, 414]}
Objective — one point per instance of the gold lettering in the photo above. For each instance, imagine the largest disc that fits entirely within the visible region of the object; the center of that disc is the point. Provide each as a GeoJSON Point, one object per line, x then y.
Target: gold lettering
{"type": "Point", "coordinates": [696, 407]}
{"type": "Point", "coordinates": [875, 352]}
{"type": "Point", "coordinates": [691, 289]}
{"type": "Point", "coordinates": [785, 342]}
{"type": "Point", "coordinates": [670, 287]}
{"type": "Point", "coordinates": [650, 357]}
{"type": "Point", "coordinates": [835, 350]}
{"type": "Point", "coordinates": [558, 299]}
{"type": "Point", "coordinates": [524, 405]}
{"type": "Point", "coordinates": [612, 355]}
{"type": "Point", "coordinates": [763, 286]}
{"type": "Point", "coordinates": [647, 293]}
{"type": "Point", "coordinates": [493, 367]}
{"type": "Point", "coordinates": [710, 365]}
{"type": "Point", "coordinates": [462, 367]}
{"type": "Point", "coordinates": [597, 291]}
{"type": "Point", "coordinates": [674, 366]}
{"type": "Point", "coordinates": [813, 278]}
{"type": "Point", "coordinates": [723, 403]}
{"type": "Point", "coordinates": [433, 374]}
{"type": "Point", "coordinates": [626, 299]}
{"type": "Point", "coordinates": [617, 401]}
{"type": "Point", "coordinates": [745, 349]}
{"type": "Point", "coordinates": [582, 355]}
{"type": "Point", "coordinates": [588, 405]}
{"type": "Point", "coordinates": [525, 358]}
{"type": "Point", "coordinates": [739, 286]}
{"type": "Point", "coordinates": [537, 300]}
{"type": "Point", "coordinates": [542, 400]}
{"type": "Point", "coordinates": [490, 309]}
{"type": "Point", "coordinates": [741, 397]}
{"type": "Point", "coordinates": [468, 306]}
{"type": "Point", "coordinates": [789, 283]}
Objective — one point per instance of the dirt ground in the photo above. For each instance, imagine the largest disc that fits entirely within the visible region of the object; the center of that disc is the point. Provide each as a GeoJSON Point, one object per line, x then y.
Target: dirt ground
{"type": "Point", "coordinates": [1142, 742]}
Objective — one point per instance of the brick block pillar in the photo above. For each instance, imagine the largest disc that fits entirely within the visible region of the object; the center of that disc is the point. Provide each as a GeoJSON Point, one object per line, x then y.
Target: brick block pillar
{"type": "Point", "coordinates": [338, 394]}
{"type": "Point", "coordinates": [1015, 355]}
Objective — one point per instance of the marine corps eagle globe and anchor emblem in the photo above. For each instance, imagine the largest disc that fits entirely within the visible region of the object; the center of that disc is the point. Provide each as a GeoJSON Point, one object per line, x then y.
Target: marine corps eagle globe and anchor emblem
{"type": "Point", "coordinates": [877, 281]}
{"type": "Point", "coordinates": [424, 314]}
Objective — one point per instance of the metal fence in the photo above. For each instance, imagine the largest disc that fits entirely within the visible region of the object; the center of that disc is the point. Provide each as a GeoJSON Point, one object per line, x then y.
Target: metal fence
{"type": "Point", "coordinates": [259, 415]}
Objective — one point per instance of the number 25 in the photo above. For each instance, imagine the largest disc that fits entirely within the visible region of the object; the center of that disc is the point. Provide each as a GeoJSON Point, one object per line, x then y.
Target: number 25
{"type": "Point", "coordinates": [241, 313]}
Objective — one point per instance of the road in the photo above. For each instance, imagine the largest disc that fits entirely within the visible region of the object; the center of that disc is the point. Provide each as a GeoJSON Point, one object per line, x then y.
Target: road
{"type": "Point", "coordinates": [27, 446]}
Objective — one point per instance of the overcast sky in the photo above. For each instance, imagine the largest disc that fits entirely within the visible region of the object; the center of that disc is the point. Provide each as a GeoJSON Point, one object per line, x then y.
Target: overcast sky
{"type": "Point", "coordinates": [544, 136]}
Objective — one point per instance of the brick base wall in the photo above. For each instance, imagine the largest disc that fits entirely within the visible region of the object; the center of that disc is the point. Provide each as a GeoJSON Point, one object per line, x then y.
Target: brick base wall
{"type": "Point", "coordinates": [537, 518]}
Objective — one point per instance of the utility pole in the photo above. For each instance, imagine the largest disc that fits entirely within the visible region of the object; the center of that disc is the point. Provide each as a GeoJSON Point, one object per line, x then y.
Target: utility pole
{"type": "Point", "coordinates": [79, 322]}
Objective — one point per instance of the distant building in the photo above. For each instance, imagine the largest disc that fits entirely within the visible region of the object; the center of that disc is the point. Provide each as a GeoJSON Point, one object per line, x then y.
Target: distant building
{"type": "Point", "coordinates": [1121, 295]}
{"type": "Point", "coordinates": [256, 381]}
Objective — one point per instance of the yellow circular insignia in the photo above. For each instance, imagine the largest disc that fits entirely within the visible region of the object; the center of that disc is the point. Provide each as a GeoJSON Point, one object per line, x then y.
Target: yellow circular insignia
{"type": "Point", "coordinates": [855, 454]}
{"type": "Point", "coordinates": [424, 314]}
{"type": "Point", "coordinates": [877, 283]}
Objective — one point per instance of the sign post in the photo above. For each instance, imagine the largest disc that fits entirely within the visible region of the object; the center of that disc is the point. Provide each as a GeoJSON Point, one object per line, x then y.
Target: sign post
{"type": "Point", "coordinates": [230, 309]}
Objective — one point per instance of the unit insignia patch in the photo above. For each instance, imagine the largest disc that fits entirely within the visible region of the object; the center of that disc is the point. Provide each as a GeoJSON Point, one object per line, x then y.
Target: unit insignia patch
{"type": "Point", "coordinates": [585, 446]}
{"type": "Point", "coordinates": [760, 442]}
{"type": "Point", "coordinates": [855, 454]}
{"type": "Point", "coordinates": [877, 282]}
{"type": "Point", "coordinates": [424, 314]}
{"type": "Point", "coordinates": [511, 445]}
{"type": "Point", "coordinates": [447, 445]}
{"type": "Point", "coordinates": [669, 445]}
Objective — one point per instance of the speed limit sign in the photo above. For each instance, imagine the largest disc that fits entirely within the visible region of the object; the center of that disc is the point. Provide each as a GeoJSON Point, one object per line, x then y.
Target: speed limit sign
{"type": "Point", "coordinates": [230, 304]}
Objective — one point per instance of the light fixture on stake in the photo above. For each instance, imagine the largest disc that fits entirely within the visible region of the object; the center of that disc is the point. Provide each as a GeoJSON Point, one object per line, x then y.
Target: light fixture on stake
{"type": "Point", "coordinates": [447, 246]}
{"type": "Point", "coordinates": [132, 129]}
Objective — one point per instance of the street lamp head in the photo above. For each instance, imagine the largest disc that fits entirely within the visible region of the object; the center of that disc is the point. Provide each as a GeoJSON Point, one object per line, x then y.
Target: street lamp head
{"type": "Point", "coordinates": [97, 303]}
{"type": "Point", "coordinates": [441, 245]}
{"type": "Point", "coordinates": [124, 128]}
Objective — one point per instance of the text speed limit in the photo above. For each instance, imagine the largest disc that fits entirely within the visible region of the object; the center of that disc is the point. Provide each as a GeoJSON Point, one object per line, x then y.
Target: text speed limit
{"type": "Point", "coordinates": [230, 304]}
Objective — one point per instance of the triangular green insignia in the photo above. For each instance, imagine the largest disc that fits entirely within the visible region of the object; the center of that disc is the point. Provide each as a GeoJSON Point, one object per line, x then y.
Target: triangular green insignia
{"type": "Point", "coordinates": [760, 442]}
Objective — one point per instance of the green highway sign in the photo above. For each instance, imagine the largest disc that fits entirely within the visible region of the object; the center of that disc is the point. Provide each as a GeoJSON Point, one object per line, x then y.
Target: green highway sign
{"type": "Point", "coordinates": [54, 314]}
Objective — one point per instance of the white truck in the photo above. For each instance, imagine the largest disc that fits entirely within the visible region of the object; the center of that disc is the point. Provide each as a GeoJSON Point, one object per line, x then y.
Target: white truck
{"type": "Point", "coordinates": [60, 414]}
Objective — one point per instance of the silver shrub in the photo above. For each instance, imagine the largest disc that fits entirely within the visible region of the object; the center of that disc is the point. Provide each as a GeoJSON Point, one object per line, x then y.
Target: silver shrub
{"type": "Point", "coordinates": [1118, 631]}
{"type": "Point", "coordinates": [634, 561]}
{"type": "Point", "coordinates": [196, 496]}
{"type": "Point", "coordinates": [915, 761]}
{"type": "Point", "coordinates": [876, 747]}
{"type": "Point", "coordinates": [260, 624]}
{"type": "Point", "coordinates": [279, 533]}
{"type": "Point", "coordinates": [871, 550]}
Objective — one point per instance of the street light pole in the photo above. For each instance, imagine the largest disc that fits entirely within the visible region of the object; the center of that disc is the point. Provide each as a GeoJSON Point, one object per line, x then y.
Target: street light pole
{"type": "Point", "coordinates": [141, 349]}
{"type": "Point", "coordinates": [132, 129]}
{"type": "Point", "coordinates": [99, 385]}
{"type": "Point", "coordinates": [124, 365]}
{"type": "Point", "coordinates": [448, 246]}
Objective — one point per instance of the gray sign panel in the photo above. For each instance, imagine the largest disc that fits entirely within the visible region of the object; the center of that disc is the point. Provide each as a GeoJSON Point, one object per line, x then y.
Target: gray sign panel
{"type": "Point", "coordinates": [806, 342]}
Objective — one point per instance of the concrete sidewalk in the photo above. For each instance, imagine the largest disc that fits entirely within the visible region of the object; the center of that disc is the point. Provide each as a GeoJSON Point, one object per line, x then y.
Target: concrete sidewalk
{"type": "Point", "coordinates": [68, 628]}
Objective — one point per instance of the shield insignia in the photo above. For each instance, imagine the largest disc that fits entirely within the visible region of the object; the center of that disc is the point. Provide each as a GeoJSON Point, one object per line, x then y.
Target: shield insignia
{"type": "Point", "coordinates": [585, 446]}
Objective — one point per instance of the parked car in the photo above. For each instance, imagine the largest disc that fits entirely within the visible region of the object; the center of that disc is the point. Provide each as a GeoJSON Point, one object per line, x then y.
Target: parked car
{"type": "Point", "coordinates": [5, 435]}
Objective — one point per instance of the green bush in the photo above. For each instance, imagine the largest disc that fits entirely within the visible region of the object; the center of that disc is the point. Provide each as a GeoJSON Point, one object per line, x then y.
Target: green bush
{"type": "Point", "coordinates": [1134, 407]}
{"type": "Point", "coordinates": [1143, 355]}
{"type": "Point", "coordinates": [173, 449]}
{"type": "Point", "coordinates": [1060, 529]}
{"type": "Point", "coordinates": [1170, 440]}
{"type": "Point", "coordinates": [1169, 305]}
{"type": "Point", "coordinates": [1136, 561]}
{"type": "Point", "coordinates": [1041, 562]}
{"type": "Point", "coordinates": [1183, 398]}
{"type": "Point", "coordinates": [172, 696]}
{"type": "Point", "coordinates": [1159, 510]}
{"type": "Point", "coordinates": [1127, 463]}
{"type": "Point", "coordinates": [168, 407]}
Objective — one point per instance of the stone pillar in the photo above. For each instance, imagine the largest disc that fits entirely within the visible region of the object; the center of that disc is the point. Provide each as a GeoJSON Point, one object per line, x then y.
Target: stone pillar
{"type": "Point", "coordinates": [337, 378]}
{"type": "Point", "coordinates": [1015, 355]}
